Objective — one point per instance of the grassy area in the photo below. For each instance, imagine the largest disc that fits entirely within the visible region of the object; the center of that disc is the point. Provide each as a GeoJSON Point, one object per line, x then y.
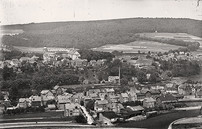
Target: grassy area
{"type": "Point", "coordinates": [35, 115]}
{"type": "Point", "coordinates": [142, 46]}
{"type": "Point", "coordinates": [161, 121]}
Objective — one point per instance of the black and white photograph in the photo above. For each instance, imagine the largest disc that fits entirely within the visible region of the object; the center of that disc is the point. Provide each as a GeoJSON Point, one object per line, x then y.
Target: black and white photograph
{"type": "Point", "coordinates": [101, 64]}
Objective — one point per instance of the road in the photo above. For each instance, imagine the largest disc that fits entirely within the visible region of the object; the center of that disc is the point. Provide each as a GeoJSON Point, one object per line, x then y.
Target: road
{"type": "Point", "coordinates": [42, 124]}
{"type": "Point", "coordinates": [51, 125]}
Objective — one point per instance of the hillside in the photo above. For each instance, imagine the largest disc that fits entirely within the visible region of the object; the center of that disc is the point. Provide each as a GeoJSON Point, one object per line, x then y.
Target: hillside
{"type": "Point", "coordinates": [83, 34]}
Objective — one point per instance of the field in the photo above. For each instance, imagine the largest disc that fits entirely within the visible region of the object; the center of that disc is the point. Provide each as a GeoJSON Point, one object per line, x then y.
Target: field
{"type": "Point", "coordinates": [178, 36]}
{"type": "Point", "coordinates": [134, 47]}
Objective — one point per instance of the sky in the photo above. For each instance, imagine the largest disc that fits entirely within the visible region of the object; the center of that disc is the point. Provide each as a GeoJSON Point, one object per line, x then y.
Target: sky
{"type": "Point", "coordinates": [28, 11]}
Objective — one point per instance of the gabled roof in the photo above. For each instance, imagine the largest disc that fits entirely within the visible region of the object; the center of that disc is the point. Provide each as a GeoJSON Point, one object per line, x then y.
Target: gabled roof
{"type": "Point", "coordinates": [64, 98]}
{"type": "Point", "coordinates": [109, 90]}
{"type": "Point", "coordinates": [136, 108]}
{"type": "Point", "coordinates": [149, 99]}
{"type": "Point", "coordinates": [56, 87]}
{"type": "Point", "coordinates": [22, 100]}
{"type": "Point", "coordinates": [101, 102]}
{"type": "Point", "coordinates": [124, 95]}
{"type": "Point", "coordinates": [43, 92]}
{"type": "Point", "coordinates": [72, 105]}
{"type": "Point", "coordinates": [110, 114]}
{"type": "Point", "coordinates": [144, 61]}
{"type": "Point", "coordinates": [167, 97]}
{"type": "Point", "coordinates": [35, 98]}
{"type": "Point", "coordinates": [24, 58]}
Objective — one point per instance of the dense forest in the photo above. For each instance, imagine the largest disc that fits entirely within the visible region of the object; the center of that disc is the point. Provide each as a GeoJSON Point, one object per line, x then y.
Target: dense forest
{"type": "Point", "coordinates": [91, 34]}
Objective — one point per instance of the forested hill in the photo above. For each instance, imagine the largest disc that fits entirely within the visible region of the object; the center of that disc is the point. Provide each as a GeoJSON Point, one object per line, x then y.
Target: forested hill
{"type": "Point", "coordinates": [88, 34]}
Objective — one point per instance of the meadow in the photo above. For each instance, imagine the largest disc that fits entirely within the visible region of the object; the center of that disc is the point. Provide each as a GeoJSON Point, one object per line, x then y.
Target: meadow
{"type": "Point", "coordinates": [134, 47]}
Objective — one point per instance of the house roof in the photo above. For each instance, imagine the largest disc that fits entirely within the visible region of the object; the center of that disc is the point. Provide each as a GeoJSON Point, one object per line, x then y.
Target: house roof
{"type": "Point", "coordinates": [152, 91]}
{"type": "Point", "coordinates": [199, 93]}
{"type": "Point", "coordinates": [136, 108]}
{"type": "Point", "coordinates": [144, 61]}
{"type": "Point", "coordinates": [124, 95]}
{"type": "Point", "coordinates": [113, 96]}
{"type": "Point", "coordinates": [56, 87]}
{"type": "Point", "coordinates": [24, 58]}
{"type": "Point", "coordinates": [35, 98]}
{"type": "Point", "coordinates": [63, 98]}
{"type": "Point", "coordinates": [94, 90]}
{"type": "Point", "coordinates": [101, 102]}
{"type": "Point", "coordinates": [149, 99]}
{"type": "Point", "coordinates": [109, 90]}
{"type": "Point", "coordinates": [167, 97]}
{"type": "Point", "coordinates": [45, 92]}
{"type": "Point", "coordinates": [15, 61]}
{"type": "Point", "coordinates": [71, 105]}
{"type": "Point", "coordinates": [22, 100]}
{"type": "Point", "coordinates": [110, 114]}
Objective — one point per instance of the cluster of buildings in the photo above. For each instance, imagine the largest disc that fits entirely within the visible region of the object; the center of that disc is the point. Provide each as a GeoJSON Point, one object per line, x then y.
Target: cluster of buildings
{"type": "Point", "coordinates": [98, 103]}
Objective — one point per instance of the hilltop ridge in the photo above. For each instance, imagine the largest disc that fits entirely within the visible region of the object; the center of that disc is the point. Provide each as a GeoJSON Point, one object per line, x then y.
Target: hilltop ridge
{"type": "Point", "coordinates": [89, 34]}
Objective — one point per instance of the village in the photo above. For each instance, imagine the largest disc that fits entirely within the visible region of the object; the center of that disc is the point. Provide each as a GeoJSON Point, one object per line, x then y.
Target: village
{"type": "Point", "coordinates": [110, 99]}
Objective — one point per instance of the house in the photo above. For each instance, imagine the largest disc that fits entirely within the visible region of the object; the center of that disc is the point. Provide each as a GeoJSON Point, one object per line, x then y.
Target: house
{"type": "Point", "coordinates": [101, 105]}
{"type": "Point", "coordinates": [23, 103]}
{"type": "Point", "coordinates": [124, 97]}
{"type": "Point", "coordinates": [15, 62]}
{"type": "Point", "coordinates": [132, 94]}
{"type": "Point", "coordinates": [100, 62]}
{"type": "Point", "coordinates": [102, 95]}
{"type": "Point", "coordinates": [108, 118]}
{"type": "Point", "coordinates": [199, 93]}
{"type": "Point", "coordinates": [110, 91]}
{"type": "Point", "coordinates": [93, 93]}
{"type": "Point", "coordinates": [76, 98]}
{"type": "Point", "coordinates": [46, 95]}
{"type": "Point", "coordinates": [113, 98]}
{"type": "Point", "coordinates": [77, 62]}
{"type": "Point", "coordinates": [151, 93]}
{"type": "Point", "coordinates": [92, 62]}
{"type": "Point", "coordinates": [2, 108]}
{"type": "Point", "coordinates": [24, 59]}
{"type": "Point", "coordinates": [5, 95]}
{"type": "Point", "coordinates": [58, 90]}
{"type": "Point", "coordinates": [143, 62]}
{"type": "Point", "coordinates": [1, 64]}
{"type": "Point", "coordinates": [62, 100]}
{"type": "Point", "coordinates": [7, 63]}
{"type": "Point", "coordinates": [113, 79]}
{"type": "Point", "coordinates": [136, 108]}
{"type": "Point", "coordinates": [71, 109]}
{"type": "Point", "coordinates": [149, 102]}
{"type": "Point", "coordinates": [165, 98]}
{"type": "Point", "coordinates": [36, 101]}
{"type": "Point", "coordinates": [73, 54]}
{"type": "Point", "coordinates": [115, 107]}
{"type": "Point", "coordinates": [86, 100]}
{"type": "Point", "coordinates": [35, 57]}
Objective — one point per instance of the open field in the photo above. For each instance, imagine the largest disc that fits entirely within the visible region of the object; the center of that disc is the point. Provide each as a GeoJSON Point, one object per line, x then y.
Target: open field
{"type": "Point", "coordinates": [178, 36]}
{"type": "Point", "coordinates": [134, 47]}
{"type": "Point", "coordinates": [161, 121]}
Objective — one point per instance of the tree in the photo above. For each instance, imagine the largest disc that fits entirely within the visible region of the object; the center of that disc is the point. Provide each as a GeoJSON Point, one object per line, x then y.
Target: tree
{"type": "Point", "coordinates": [141, 76]}
{"type": "Point", "coordinates": [90, 105]}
